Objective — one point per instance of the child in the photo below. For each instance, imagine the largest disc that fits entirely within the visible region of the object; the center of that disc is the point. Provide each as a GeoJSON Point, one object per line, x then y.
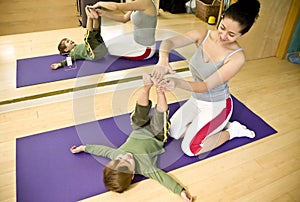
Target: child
{"type": "Point", "coordinates": [94, 47]}
{"type": "Point", "coordinates": [139, 153]}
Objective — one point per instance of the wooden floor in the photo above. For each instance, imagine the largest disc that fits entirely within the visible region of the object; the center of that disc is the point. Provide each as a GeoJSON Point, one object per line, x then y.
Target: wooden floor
{"type": "Point", "coordinates": [17, 16]}
{"type": "Point", "coordinates": [266, 170]}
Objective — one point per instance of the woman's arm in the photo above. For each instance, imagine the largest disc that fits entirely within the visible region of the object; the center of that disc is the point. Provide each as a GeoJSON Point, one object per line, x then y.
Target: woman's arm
{"type": "Point", "coordinates": [177, 42]}
{"type": "Point", "coordinates": [142, 5]}
{"type": "Point", "coordinates": [130, 6]}
{"type": "Point", "coordinates": [115, 17]}
{"type": "Point", "coordinates": [231, 67]}
{"type": "Point", "coordinates": [163, 67]}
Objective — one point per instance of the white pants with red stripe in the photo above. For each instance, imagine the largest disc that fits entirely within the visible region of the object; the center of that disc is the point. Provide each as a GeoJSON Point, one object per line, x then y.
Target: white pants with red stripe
{"type": "Point", "coordinates": [125, 46]}
{"type": "Point", "coordinates": [198, 119]}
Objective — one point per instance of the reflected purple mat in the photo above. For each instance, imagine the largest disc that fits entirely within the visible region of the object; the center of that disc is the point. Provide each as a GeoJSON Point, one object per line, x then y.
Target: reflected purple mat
{"type": "Point", "coordinates": [48, 171]}
{"type": "Point", "coordinates": [37, 70]}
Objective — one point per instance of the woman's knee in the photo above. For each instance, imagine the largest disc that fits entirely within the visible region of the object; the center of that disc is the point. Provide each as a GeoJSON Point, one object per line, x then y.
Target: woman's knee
{"type": "Point", "coordinates": [175, 133]}
{"type": "Point", "coordinates": [191, 147]}
{"type": "Point", "coordinates": [186, 150]}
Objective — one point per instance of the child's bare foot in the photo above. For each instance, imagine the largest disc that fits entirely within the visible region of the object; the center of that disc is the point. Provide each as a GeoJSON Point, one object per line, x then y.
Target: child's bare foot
{"type": "Point", "coordinates": [94, 13]}
{"type": "Point", "coordinates": [147, 80]}
{"type": "Point", "coordinates": [88, 12]}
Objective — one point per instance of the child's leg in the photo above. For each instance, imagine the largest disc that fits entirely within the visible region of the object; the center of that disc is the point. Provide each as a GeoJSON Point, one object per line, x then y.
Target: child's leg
{"type": "Point", "coordinates": [162, 105]}
{"type": "Point", "coordinates": [97, 29]}
{"type": "Point", "coordinates": [141, 114]}
{"type": "Point", "coordinates": [96, 48]}
{"type": "Point", "coordinates": [143, 97]}
{"type": "Point", "coordinates": [92, 15]}
{"type": "Point", "coordinates": [93, 40]}
{"type": "Point", "coordinates": [160, 123]}
{"type": "Point", "coordinates": [96, 24]}
{"type": "Point", "coordinates": [89, 23]}
{"type": "Point", "coordinates": [88, 13]}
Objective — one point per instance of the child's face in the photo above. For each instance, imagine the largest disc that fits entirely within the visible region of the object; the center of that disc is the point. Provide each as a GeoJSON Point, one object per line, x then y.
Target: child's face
{"type": "Point", "coordinates": [69, 45]}
{"type": "Point", "coordinates": [127, 160]}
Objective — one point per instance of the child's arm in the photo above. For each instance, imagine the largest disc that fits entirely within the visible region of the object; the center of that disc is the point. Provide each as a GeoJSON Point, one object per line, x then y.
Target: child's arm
{"type": "Point", "coordinates": [61, 64]}
{"type": "Point", "coordinates": [98, 150]}
{"type": "Point", "coordinates": [170, 183]}
{"type": "Point", "coordinates": [56, 66]}
{"type": "Point", "coordinates": [75, 54]}
{"type": "Point", "coordinates": [186, 196]}
{"type": "Point", "coordinates": [75, 149]}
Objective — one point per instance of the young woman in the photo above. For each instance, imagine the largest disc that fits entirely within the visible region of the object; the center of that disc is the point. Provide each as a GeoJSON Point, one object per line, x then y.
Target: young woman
{"type": "Point", "coordinates": [203, 121]}
{"type": "Point", "coordinates": [140, 44]}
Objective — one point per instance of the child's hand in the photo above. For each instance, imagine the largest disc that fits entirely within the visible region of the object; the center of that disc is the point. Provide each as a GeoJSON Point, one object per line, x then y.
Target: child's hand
{"type": "Point", "coordinates": [147, 80]}
{"type": "Point", "coordinates": [186, 197]}
{"type": "Point", "coordinates": [55, 66]}
{"type": "Point", "coordinates": [78, 149]}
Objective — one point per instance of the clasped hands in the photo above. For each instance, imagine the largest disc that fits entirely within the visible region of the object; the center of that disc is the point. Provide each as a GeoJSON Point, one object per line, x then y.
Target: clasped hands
{"type": "Point", "coordinates": [157, 76]}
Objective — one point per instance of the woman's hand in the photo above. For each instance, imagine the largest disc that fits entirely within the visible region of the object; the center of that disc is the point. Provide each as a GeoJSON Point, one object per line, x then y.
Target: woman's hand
{"type": "Point", "coordinates": [96, 5]}
{"type": "Point", "coordinates": [168, 84]}
{"type": "Point", "coordinates": [159, 71]}
{"type": "Point", "coordinates": [100, 12]}
{"type": "Point", "coordinates": [75, 149]}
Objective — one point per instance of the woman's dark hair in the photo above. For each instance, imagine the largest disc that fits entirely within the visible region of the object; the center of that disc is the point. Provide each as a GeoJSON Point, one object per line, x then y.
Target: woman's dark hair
{"type": "Point", "coordinates": [244, 12]}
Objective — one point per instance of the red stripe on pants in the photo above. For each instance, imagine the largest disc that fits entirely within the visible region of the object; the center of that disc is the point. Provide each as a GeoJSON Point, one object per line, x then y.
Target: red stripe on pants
{"type": "Point", "coordinates": [209, 127]}
{"type": "Point", "coordinates": [141, 57]}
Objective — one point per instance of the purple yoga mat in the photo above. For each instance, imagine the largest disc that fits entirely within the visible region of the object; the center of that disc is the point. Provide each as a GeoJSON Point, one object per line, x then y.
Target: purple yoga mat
{"type": "Point", "coordinates": [37, 70]}
{"type": "Point", "coordinates": [48, 171]}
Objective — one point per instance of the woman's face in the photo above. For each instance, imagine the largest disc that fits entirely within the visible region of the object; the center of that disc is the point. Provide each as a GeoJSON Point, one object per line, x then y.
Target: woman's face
{"type": "Point", "coordinates": [229, 31]}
